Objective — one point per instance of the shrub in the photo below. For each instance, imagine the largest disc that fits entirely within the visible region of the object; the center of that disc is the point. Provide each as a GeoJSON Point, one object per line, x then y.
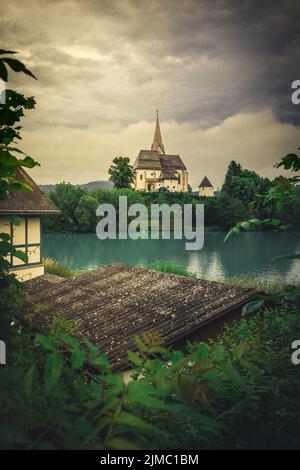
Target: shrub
{"type": "Point", "coordinates": [53, 266]}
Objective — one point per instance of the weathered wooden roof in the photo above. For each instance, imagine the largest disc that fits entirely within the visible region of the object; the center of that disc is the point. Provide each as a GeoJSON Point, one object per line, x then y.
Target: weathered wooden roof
{"type": "Point", "coordinates": [153, 160]}
{"type": "Point", "coordinates": [116, 303]}
{"type": "Point", "coordinates": [27, 202]}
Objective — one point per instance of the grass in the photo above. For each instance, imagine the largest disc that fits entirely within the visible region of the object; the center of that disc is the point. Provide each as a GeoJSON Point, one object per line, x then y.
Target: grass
{"type": "Point", "coordinates": [247, 281]}
{"type": "Point", "coordinates": [52, 266]}
{"type": "Point", "coordinates": [251, 281]}
{"type": "Point", "coordinates": [171, 268]}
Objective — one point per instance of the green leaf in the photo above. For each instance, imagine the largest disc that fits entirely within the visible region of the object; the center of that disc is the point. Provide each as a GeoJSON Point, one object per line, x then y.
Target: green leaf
{"type": "Point", "coordinates": [278, 259]}
{"type": "Point", "coordinates": [2, 51]}
{"type": "Point", "coordinates": [275, 222]}
{"type": "Point", "coordinates": [122, 444]}
{"type": "Point", "coordinates": [69, 341]}
{"type": "Point", "coordinates": [53, 371]}
{"type": "Point", "coordinates": [3, 71]}
{"type": "Point", "coordinates": [233, 375]}
{"type": "Point", "coordinates": [129, 419]}
{"type": "Point", "coordinates": [240, 350]}
{"type": "Point", "coordinates": [20, 186]}
{"type": "Point", "coordinates": [46, 342]}
{"type": "Point", "coordinates": [77, 359]}
{"type": "Point", "coordinates": [5, 236]}
{"type": "Point", "coordinates": [253, 306]}
{"type": "Point", "coordinates": [218, 353]}
{"type": "Point", "coordinates": [135, 359]}
{"type": "Point", "coordinates": [18, 66]}
{"type": "Point", "coordinates": [21, 255]}
{"type": "Point", "coordinates": [30, 381]}
{"type": "Point", "coordinates": [6, 159]}
{"type": "Point", "coordinates": [28, 162]}
{"type": "Point", "coordinates": [290, 162]}
{"type": "Point", "coordinates": [91, 347]}
{"type": "Point", "coordinates": [232, 231]}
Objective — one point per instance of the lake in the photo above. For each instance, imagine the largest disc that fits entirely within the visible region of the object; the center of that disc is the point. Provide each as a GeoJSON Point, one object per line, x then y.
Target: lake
{"type": "Point", "coordinates": [247, 253]}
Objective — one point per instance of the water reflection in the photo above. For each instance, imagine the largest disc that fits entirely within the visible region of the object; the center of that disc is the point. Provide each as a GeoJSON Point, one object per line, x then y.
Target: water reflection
{"type": "Point", "coordinates": [243, 254]}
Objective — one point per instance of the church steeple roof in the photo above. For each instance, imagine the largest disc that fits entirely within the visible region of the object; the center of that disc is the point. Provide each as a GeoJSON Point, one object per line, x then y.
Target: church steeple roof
{"type": "Point", "coordinates": [157, 144]}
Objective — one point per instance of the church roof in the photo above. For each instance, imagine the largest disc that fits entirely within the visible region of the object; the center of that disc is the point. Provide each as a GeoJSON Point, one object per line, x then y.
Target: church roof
{"type": "Point", "coordinates": [157, 144]}
{"type": "Point", "coordinates": [27, 202]}
{"type": "Point", "coordinates": [168, 174]}
{"type": "Point", "coordinates": [156, 158]}
{"type": "Point", "coordinates": [153, 160]}
{"type": "Point", "coordinates": [205, 183]}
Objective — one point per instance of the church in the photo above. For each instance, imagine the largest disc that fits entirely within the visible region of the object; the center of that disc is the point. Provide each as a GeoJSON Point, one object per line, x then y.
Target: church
{"type": "Point", "coordinates": [155, 170]}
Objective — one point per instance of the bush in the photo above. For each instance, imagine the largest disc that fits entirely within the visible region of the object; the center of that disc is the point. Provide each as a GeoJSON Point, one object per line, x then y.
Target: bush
{"type": "Point", "coordinates": [55, 267]}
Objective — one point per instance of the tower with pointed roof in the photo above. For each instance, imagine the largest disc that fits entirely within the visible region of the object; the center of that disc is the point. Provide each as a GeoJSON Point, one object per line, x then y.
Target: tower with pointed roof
{"type": "Point", "coordinates": [206, 188]}
{"type": "Point", "coordinates": [155, 170]}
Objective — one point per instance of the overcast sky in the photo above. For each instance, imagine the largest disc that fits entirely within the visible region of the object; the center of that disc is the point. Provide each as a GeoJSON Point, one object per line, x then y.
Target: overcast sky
{"type": "Point", "coordinates": [220, 73]}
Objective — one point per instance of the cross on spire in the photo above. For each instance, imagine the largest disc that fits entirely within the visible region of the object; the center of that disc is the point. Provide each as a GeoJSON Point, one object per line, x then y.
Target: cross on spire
{"type": "Point", "coordinates": [157, 144]}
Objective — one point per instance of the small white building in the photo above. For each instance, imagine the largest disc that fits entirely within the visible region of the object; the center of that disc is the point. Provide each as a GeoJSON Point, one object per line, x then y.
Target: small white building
{"type": "Point", "coordinates": [205, 188]}
{"type": "Point", "coordinates": [28, 207]}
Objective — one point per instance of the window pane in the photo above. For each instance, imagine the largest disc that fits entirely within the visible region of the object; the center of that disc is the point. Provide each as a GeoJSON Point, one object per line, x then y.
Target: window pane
{"type": "Point", "coordinates": [34, 254]}
{"type": "Point", "coordinates": [19, 233]}
{"type": "Point", "coordinates": [33, 230]}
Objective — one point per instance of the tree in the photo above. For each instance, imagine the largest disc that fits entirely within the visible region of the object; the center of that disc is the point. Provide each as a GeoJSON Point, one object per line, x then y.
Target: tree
{"type": "Point", "coordinates": [244, 184]}
{"type": "Point", "coordinates": [66, 197]}
{"type": "Point", "coordinates": [283, 195]}
{"type": "Point", "coordinates": [121, 173]}
{"type": "Point", "coordinates": [230, 211]}
{"type": "Point", "coordinates": [85, 213]}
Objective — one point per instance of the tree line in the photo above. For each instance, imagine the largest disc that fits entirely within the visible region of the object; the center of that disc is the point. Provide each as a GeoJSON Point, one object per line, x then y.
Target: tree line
{"type": "Point", "coordinates": [241, 198]}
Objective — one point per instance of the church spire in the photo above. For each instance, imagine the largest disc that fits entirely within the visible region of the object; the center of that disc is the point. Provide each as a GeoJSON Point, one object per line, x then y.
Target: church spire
{"type": "Point", "coordinates": [157, 140]}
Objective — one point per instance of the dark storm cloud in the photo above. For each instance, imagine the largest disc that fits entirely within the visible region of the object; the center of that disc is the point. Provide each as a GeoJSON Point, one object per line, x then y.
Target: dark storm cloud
{"type": "Point", "coordinates": [219, 71]}
{"type": "Point", "coordinates": [207, 60]}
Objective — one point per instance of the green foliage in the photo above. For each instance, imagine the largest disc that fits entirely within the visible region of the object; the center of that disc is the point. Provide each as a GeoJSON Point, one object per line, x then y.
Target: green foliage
{"type": "Point", "coordinates": [290, 162]}
{"type": "Point", "coordinates": [66, 197]}
{"type": "Point", "coordinates": [243, 184]}
{"type": "Point", "coordinates": [240, 392]}
{"type": "Point", "coordinates": [279, 197]}
{"type": "Point", "coordinates": [11, 159]}
{"type": "Point", "coordinates": [85, 213]}
{"type": "Point", "coordinates": [121, 173]}
{"type": "Point", "coordinates": [14, 64]}
{"type": "Point", "coordinates": [283, 197]}
{"type": "Point", "coordinates": [244, 196]}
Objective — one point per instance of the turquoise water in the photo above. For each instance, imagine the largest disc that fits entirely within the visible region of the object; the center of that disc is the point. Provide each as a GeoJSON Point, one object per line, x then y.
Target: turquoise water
{"type": "Point", "coordinates": [247, 253]}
